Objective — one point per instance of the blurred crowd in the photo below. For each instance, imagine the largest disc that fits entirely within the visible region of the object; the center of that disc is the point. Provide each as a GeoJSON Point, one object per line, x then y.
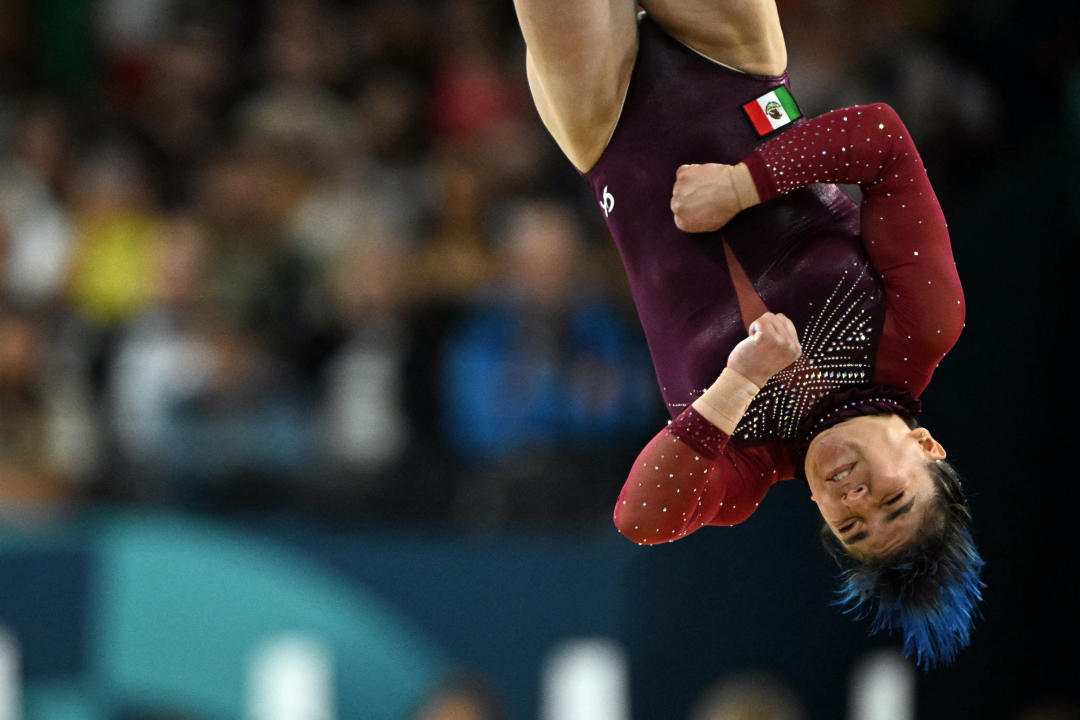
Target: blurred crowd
{"type": "Point", "coordinates": [300, 255]}
{"type": "Point", "coordinates": [322, 257]}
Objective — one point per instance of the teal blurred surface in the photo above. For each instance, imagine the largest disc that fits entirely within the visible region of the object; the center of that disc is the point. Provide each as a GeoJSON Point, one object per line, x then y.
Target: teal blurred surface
{"type": "Point", "coordinates": [178, 607]}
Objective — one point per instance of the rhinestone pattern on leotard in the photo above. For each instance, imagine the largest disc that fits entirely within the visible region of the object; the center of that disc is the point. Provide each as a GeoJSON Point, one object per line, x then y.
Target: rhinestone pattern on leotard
{"type": "Point", "coordinates": [837, 345]}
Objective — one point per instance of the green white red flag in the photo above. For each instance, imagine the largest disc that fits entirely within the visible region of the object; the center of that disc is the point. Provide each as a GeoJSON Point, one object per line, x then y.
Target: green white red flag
{"type": "Point", "coordinates": [773, 110]}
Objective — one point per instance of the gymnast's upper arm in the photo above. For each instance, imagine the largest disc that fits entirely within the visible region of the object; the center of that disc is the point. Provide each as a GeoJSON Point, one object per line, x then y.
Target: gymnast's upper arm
{"type": "Point", "coordinates": [580, 54]}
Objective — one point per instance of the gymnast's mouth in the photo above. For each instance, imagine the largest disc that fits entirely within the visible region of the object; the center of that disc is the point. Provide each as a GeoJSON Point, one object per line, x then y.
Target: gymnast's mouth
{"type": "Point", "coordinates": [840, 473]}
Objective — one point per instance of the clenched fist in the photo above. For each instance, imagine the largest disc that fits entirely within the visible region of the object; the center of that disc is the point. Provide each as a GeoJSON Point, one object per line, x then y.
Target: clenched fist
{"type": "Point", "coordinates": [772, 346]}
{"type": "Point", "coordinates": [706, 196]}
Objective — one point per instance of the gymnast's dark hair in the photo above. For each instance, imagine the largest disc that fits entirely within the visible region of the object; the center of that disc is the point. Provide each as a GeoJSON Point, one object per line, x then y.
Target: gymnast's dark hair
{"type": "Point", "coordinates": [930, 590]}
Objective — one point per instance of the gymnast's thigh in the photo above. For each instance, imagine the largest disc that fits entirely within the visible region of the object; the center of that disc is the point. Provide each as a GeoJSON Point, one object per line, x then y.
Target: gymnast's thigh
{"type": "Point", "coordinates": [743, 34]}
{"type": "Point", "coordinates": [580, 54]}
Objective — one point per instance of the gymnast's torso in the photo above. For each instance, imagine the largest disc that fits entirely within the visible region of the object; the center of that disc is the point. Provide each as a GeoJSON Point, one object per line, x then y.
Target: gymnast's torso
{"type": "Point", "coordinates": [801, 253]}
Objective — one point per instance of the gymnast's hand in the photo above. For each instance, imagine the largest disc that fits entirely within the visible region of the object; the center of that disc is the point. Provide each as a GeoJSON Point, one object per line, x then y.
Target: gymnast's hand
{"type": "Point", "coordinates": [772, 346]}
{"type": "Point", "coordinates": [706, 197]}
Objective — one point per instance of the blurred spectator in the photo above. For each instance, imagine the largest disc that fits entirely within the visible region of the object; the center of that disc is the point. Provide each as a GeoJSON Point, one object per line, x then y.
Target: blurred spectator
{"type": "Point", "coordinates": [246, 196]}
{"type": "Point", "coordinates": [383, 185]}
{"type": "Point", "coordinates": [540, 367]}
{"type": "Point", "coordinates": [46, 442]}
{"type": "Point", "coordinates": [38, 228]}
{"type": "Point", "coordinates": [116, 229]}
{"type": "Point", "coordinates": [393, 36]}
{"type": "Point", "coordinates": [243, 435]}
{"type": "Point", "coordinates": [206, 415]}
{"type": "Point", "coordinates": [173, 93]}
{"type": "Point", "coordinates": [128, 28]}
{"type": "Point", "coordinates": [473, 91]}
{"type": "Point", "coordinates": [393, 136]}
{"type": "Point", "coordinates": [365, 420]}
{"type": "Point", "coordinates": [304, 60]}
{"type": "Point", "coordinates": [749, 696]}
{"type": "Point", "coordinates": [479, 98]}
{"type": "Point", "coordinates": [158, 361]}
{"type": "Point", "coordinates": [457, 258]}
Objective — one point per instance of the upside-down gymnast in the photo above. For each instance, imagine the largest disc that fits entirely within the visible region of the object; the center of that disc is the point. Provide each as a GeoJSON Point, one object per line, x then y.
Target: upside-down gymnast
{"type": "Point", "coordinates": [737, 247]}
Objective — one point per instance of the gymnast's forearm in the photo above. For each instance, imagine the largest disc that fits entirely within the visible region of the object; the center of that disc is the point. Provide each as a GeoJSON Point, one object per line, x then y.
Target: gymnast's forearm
{"type": "Point", "coordinates": [726, 400]}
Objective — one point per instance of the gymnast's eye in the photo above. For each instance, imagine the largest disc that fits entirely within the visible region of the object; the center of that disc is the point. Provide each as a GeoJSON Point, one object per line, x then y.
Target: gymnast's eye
{"type": "Point", "coordinates": [895, 498]}
{"type": "Point", "coordinates": [847, 527]}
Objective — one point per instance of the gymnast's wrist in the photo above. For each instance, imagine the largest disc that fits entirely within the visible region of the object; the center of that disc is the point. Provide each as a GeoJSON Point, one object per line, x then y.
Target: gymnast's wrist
{"type": "Point", "coordinates": [726, 400]}
{"type": "Point", "coordinates": [744, 186]}
{"type": "Point", "coordinates": [760, 177]}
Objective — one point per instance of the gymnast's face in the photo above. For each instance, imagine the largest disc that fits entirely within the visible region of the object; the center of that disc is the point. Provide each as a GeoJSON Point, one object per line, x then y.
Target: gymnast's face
{"type": "Point", "coordinates": [869, 480]}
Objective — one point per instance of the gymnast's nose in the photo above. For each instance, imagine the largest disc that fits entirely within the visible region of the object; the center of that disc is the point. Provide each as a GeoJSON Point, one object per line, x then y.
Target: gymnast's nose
{"type": "Point", "coordinates": [855, 494]}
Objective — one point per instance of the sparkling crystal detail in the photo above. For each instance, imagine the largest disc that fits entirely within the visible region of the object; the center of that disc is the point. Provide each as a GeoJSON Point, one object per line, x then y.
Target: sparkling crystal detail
{"type": "Point", "coordinates": [837, 343]}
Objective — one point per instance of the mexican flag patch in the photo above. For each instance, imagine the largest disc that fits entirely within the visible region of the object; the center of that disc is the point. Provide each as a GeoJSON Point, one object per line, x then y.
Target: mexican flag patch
{"type": "Point", "coordinates": [773, 110]}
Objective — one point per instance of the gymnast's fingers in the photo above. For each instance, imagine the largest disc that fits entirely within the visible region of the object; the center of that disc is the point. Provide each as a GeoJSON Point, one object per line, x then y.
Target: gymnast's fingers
{"type": "Point", "coordinates": [787, 326]}
{"type": "Point", "coordinates": [789, 333]}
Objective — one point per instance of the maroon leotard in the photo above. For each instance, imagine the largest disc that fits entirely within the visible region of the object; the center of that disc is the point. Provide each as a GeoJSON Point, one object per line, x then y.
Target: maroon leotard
{"type": "Point", "coordinates": [683, 108]}
{"type": "Point", "coordinates": [881, 307]}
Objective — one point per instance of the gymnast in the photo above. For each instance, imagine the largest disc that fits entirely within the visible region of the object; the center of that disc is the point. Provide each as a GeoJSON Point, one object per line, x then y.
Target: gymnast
{"type": "Point", "coordinates": [791, 330]}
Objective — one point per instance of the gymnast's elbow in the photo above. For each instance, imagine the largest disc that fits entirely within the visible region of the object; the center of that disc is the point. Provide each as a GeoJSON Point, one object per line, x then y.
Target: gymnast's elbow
{"type": "Point", "coordinates": [624, 523]}
{"type": "Point", "coordinates": [645, 527]}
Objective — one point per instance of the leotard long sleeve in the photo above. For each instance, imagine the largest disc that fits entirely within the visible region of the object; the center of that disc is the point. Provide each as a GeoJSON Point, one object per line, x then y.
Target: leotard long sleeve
{"type": "Point", "coordinates": [691, 474]}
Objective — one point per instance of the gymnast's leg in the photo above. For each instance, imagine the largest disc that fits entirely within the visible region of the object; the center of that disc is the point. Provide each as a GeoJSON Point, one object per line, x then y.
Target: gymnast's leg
{"type": "Point", "coordinates": [579, 56]}
{"type": "Point", "coordinates": [742, 34]}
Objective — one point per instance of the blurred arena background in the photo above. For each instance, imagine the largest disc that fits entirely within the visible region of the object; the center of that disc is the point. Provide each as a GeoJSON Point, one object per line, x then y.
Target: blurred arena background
{"type": "Point", "coordinates": [318, 378]}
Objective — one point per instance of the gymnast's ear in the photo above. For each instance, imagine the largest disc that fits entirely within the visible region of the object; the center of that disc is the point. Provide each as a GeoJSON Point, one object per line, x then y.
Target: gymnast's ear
{"type": "Point", "coordinates": [926, 441]}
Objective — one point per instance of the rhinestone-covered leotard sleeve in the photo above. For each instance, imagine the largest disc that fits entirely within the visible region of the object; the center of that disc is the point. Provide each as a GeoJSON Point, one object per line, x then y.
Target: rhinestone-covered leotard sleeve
{"type": "Point", "coordinates": [688, 476]}
{"type": "Point", "coordinates": [903, 229]}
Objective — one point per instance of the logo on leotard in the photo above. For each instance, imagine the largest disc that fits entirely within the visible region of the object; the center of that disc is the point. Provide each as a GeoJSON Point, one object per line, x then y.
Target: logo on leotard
{"type": "Point", "coordinates": [607, 204]}
{"type": "Point", "coordinates": [772, 111]}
